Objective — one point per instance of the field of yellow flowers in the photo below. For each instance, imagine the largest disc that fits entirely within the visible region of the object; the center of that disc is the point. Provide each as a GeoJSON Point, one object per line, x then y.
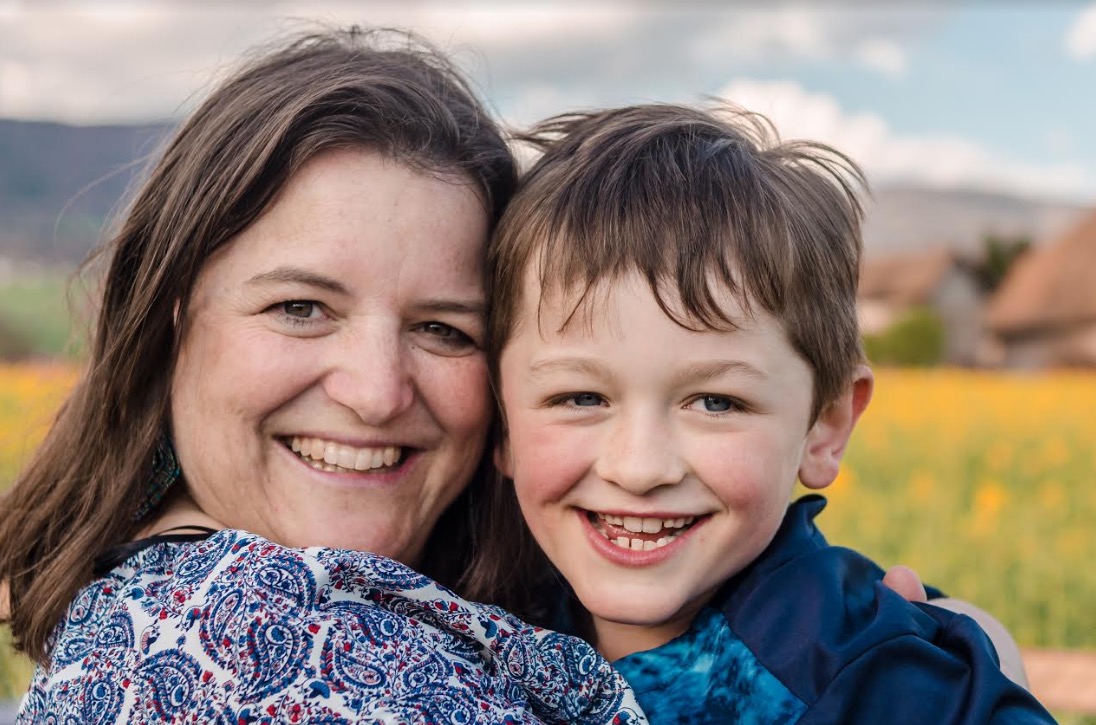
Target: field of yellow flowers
{"type": "Point", "coordinates": [979, 481]}
{"type": "Point", "coordinates": [29, 396]}
{"type": "Point", "coordinates": [982, 483]}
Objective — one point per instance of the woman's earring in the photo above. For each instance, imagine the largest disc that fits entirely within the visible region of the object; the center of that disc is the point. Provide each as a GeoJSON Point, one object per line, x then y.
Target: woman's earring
{"type": "Point", "coordinates": [165, 471]}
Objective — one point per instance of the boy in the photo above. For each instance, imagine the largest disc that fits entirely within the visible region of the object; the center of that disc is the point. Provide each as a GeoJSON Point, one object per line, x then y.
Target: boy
{"type": "Point", "coordinates": [674, 341]}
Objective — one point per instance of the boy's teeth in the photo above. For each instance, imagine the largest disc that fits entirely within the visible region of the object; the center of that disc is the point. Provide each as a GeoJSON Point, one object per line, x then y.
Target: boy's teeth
{"type": "Point", "coordinates": [670, 528]}
{"type": "Point", "coordinates": [330, 456]}
{"type": "Point", "coordinates": [637, 524]}
{"type": "Point", "coordinates": [642, 544]}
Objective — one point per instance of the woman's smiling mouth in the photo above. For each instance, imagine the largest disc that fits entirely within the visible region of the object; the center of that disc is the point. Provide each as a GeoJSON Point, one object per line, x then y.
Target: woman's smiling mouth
{"type": "Point", "coordinates": [335, 457]}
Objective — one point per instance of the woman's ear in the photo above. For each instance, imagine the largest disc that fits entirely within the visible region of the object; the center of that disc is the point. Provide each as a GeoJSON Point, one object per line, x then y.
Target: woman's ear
{"type": "Point", "coordinates": [829, 435]}
{"type": "Point", "coordinates": [504, 462]}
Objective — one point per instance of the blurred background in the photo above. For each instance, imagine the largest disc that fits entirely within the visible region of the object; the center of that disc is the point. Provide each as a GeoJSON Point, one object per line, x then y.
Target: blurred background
{"type": "Point", "coordinates": [974, 121]}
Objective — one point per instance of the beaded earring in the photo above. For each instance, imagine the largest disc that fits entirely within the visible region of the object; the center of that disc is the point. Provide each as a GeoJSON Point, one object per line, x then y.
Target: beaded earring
{"type": "Point", "coordinates": [165, 471]}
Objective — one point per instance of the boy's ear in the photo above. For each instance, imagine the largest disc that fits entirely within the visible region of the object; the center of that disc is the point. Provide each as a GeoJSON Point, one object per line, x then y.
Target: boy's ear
{"type": "Point", "coordinates": [829, 435]}
{"type": "Point", "coordinates": [504, 462]}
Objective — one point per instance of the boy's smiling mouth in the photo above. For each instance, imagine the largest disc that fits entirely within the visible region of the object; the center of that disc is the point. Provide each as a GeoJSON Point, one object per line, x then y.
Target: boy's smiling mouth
{"type": "Point", "coordinates": [639, 533]}
{"type": "Point", "coordinates": [338, 457]}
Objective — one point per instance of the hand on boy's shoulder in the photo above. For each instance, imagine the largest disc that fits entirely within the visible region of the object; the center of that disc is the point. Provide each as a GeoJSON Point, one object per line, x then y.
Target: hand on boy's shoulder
{"type": "Point", "coordinates": [1012, 663]}
{"type": "Point", "coordinates": [906, 582]}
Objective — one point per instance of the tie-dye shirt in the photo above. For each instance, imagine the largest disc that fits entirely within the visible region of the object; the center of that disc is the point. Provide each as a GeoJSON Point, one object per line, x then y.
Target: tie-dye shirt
{"type": "Point", "coordinates": [235, 629]}
{"type": "Point", "coordinates": [707, 675]}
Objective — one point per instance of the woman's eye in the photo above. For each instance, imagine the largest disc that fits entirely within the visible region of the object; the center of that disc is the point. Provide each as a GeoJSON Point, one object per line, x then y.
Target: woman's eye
{"type": "Point", "coordinates": [440, 329]}
{"type": "Point", "coordinates": [301, 309]}
{"type": "Point", "coordinates": [444, 339]}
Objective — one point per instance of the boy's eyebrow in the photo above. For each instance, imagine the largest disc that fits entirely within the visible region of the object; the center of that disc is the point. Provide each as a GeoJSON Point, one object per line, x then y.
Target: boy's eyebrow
{"type": "Point", "coordinates": [569, 364]}
{"type": "Point", "coordinates": [300, 276]}
{"type": "Point", "coordinates": [700, 372]}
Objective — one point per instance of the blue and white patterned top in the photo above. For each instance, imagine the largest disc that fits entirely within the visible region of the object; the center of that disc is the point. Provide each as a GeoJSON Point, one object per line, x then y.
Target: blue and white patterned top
{"type": "Point", "coordinates": [236, 629]}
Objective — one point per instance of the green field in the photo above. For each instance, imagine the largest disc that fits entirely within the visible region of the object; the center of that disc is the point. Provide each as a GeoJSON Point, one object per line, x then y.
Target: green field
{"type": "Point", "coordinates": [34, 308]}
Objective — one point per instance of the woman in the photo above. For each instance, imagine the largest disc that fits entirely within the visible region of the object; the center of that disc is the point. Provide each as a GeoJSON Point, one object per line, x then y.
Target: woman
{"type": "Point", "coordinates": [289, 346]}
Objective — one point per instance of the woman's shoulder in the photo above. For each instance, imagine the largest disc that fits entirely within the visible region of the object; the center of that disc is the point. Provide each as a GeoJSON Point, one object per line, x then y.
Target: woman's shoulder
{"type": "Point", "coordinates": [235, 619]}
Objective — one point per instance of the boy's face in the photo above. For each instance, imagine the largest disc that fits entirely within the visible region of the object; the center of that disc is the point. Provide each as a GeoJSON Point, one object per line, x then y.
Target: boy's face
{"type": "Point", "coordinates": [652, 462]}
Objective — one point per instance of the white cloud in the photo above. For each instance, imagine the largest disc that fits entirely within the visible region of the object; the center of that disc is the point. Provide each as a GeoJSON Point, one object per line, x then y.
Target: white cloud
{"type": "Point", "coordinates": [805, 32]}
{"type": "Point", "coordinates": [1081, 37]}
{"type": "Point", "coordinates": [125, 61]}
{"type": "Point", "coordinates": [885, 56]}
{"type": "Point", "coordinates": [936, 160]}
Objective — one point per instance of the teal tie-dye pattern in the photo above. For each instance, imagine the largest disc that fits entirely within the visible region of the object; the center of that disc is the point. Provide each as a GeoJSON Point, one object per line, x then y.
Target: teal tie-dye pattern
{"type": "Point", "coordinates": [707, 675]}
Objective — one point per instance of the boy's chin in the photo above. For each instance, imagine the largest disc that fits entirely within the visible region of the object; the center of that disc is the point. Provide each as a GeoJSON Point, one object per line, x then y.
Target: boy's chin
{"type": "Point", "coordinates": [654, 608]}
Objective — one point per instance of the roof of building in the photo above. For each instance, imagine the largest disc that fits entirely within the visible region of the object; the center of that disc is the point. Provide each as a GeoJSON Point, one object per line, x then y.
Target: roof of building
{"type": "Point", "coordinates": [905, 279]}
{"type": "Point", "coordinates": [1053, 284]}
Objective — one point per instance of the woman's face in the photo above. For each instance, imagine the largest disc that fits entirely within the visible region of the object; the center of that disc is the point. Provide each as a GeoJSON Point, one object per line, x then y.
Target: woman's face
{"type": "Point", "coordinates": [331, 388]}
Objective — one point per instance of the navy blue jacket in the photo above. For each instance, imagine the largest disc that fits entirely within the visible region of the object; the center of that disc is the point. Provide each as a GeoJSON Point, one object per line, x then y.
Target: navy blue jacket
{"type": "Point", "coordinates": [809, 634]}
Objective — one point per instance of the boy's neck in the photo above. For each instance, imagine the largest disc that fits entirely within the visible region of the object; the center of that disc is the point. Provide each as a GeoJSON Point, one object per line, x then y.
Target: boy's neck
{"type": "Point", "coordinates": [615, 640]}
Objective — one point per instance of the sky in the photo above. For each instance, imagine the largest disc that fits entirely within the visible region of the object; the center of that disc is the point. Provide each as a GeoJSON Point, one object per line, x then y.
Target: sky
{"type": "Point", "coordinates": [995, 95]}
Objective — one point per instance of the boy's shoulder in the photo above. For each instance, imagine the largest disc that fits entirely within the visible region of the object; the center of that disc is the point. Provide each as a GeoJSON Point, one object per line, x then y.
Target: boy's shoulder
{"type": "Point", "coordinates": [819, 619]}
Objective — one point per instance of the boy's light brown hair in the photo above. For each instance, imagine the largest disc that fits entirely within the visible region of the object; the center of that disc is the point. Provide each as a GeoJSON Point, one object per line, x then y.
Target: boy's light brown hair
{"type": "Point", "coordinates": [695, 200]}
{"type": "Point", "coordinates": [698, 202]}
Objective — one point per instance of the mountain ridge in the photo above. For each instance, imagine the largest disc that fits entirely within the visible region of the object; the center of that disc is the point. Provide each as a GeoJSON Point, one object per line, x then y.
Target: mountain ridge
{"type": "Point", "coordinates": [61, 184]}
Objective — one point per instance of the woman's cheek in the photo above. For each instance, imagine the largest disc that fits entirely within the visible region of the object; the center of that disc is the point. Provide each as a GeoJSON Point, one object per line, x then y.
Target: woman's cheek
{"type": "Point", "coordinates": [460, 394]}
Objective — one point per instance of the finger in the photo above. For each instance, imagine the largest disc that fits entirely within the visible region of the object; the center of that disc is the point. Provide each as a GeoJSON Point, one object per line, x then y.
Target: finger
{"type": "Point", "coordinates": [905, 581]}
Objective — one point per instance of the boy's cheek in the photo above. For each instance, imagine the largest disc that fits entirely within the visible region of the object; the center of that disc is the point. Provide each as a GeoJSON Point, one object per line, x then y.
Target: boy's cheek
{"type": "Point", "coordinates": [547, 462]}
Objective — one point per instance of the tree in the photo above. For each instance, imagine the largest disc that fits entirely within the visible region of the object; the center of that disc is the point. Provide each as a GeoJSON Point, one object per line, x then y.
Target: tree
{"type": "Point", "coordinates": [999, 252]}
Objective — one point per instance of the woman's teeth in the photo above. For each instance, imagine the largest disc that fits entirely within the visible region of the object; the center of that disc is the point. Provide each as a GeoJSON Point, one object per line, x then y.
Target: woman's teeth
{"type": "Point", "coordinates": [616, 528]}
{"type": "Point", "coordinates": [330, 456]}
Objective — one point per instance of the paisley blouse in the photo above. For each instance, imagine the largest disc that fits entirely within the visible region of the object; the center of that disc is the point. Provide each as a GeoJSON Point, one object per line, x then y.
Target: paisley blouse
{"type": "Point", "coordinates": [236, 629]}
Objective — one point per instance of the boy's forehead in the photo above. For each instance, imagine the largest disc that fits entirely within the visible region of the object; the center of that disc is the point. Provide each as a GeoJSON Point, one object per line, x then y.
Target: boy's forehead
{"type": "Point", "coordinates": [583, 307]}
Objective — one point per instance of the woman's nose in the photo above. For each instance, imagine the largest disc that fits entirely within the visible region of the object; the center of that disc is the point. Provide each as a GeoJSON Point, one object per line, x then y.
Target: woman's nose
{"type": "Point", "coordinates": [371, 375]}
{"type": "Point", "coordinates": [640, 454]}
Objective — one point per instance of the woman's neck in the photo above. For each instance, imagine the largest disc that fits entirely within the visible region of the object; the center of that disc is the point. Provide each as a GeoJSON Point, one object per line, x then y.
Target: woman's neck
{"type": "Point", "coordinates": [179, 510]}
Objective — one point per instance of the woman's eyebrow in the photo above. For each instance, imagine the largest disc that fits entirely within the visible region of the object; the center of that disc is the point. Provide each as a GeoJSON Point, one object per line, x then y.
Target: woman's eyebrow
{"type": "Point", "coordinates": [464, 307]}
{"type": "Point", "coordinates": [300, 276]}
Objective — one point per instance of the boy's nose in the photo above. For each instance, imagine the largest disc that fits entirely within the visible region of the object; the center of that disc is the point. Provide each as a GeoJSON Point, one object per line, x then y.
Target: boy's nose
{"type": "Point", "coordinates": [640, 455]}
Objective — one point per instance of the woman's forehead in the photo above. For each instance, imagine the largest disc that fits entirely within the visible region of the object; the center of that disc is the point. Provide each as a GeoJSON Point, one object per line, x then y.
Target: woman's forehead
{"type": "Point", "coordinates": [353, 219]}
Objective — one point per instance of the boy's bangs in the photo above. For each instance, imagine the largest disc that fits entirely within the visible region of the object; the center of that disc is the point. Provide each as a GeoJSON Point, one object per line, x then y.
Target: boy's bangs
{"type": "Point", "coordinates": [673, 213]}
{"type": "Point", "coordinates": [691, 291]}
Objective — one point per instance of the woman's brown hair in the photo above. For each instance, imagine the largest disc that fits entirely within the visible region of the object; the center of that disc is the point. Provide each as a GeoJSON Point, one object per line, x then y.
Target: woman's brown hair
{"type": "Point", "coordinates": [382, 90]}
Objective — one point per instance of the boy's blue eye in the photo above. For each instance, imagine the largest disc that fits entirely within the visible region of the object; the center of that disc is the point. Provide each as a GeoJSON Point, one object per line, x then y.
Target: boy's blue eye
{"type": "Point", "coordinates": [716, 403]}
{"type": "Point", "coordinates": [585, 399]}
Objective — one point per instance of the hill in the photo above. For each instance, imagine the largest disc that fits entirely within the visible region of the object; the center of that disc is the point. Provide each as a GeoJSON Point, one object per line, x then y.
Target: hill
{"type": "Point", "coordinates": [60, 184]}
{"type": "Point", "coordinates": [904, 218]}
